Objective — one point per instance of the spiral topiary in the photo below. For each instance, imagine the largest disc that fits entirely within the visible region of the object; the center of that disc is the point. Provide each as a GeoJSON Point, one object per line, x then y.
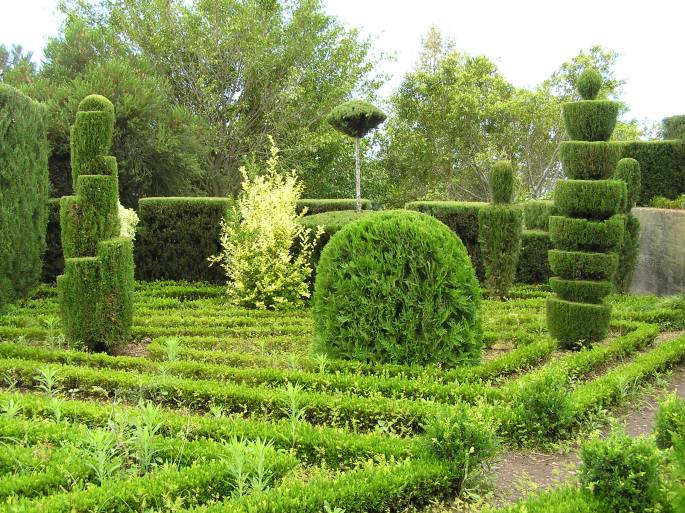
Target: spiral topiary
{"type": "Point", "coordinates": [590, 229]}
{"type": "Point", "coordinates": [96, 289]}
{"type": "Point", "coordinates": [397, 287]}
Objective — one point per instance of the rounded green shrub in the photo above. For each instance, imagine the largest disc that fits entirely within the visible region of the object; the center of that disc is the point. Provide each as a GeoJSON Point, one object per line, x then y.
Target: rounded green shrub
{"type": "Point", "coordinates": [591, 199]}
{"type": "Point", "coordinates": [499, 236]}
{"type": "Point", "coordinates": [572, 234]}
{"type": "Point", "coordinates": [586, 160]}
{"type": "Point", "coordinates": [622, 472]}
{"type": "Point", "coordinates": [590, 120]}
{"type": "Point", "coordinates": [581, 265]}
{"type": "Point", "coordinates": [582, 291]}
{"type": "Point", "coordinates": [502, 182]}
{"type": "Point", "coordinates": [398, 287]}
{"type": "Point", "coordinates": [670, 421]}
{"type": "Point", "coordinates": [589, 83]}
{"type": "Point", "coordinates": [577, 324]}
{"type": "Point", "coordinates": [628, 170]}
{"type": "Point", "coordinates": [355, 118]}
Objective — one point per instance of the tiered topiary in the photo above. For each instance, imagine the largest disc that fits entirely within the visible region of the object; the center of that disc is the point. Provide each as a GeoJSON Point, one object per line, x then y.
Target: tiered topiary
{"type": "Point", "coordinates": [589, 232]}
{"type": "Point", "coordinates": [96, 289]}
{"type": "Point", "coordinates": [500, 226]}
{"type": "Point", "coordinates": [397, 287]}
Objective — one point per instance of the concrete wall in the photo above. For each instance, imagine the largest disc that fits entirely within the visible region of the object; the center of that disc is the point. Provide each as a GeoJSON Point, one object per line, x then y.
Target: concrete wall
{"type": "Point", "coordinates": [661, 263]}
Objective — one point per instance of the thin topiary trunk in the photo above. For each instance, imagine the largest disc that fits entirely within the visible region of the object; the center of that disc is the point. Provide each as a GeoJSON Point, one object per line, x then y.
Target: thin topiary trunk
{"type": "Point", "coordinates": [357, 174]}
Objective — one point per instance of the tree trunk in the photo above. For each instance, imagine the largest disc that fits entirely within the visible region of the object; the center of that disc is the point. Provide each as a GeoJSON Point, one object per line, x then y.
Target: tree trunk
{"type": "Point", "coordinates": [357, 174]}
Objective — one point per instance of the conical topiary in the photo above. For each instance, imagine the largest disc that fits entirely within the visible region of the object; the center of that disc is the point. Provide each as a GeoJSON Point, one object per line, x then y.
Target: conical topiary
{"type": "Point", "coordinates": [96, 290]}
{"type": "Point", "coordinates": [589, 232]}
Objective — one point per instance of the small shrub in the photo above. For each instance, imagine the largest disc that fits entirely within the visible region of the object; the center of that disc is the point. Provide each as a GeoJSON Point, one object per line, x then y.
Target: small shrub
{"type": "Point", "coordinates": [661, 202]}
{"type": "Point", "coordinates": [258, 240]}
{"type": "Point", "coordinates": [622, 473]}
{"type": "Point", "coordinates": [670, 421]}
{"type": "Point", "coordinates": [678, 478]}
{"type": "Point", "coordinates": [397, 286]}
{"type": "Point", "coordinates": [129, 220]}
{"type": "Point", "coordinates": [502, 182]}
{"type": "Point", "coordinates": [500, 229]}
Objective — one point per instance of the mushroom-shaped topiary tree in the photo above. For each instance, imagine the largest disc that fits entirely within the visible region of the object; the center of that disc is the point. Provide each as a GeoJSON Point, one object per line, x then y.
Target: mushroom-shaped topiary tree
{"type": "Point", "coordinates": [356, 119]}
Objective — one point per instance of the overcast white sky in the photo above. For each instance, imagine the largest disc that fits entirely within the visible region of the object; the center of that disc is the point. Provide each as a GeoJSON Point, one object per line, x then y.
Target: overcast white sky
{"type": "Point", "coordinates": [528, 39]}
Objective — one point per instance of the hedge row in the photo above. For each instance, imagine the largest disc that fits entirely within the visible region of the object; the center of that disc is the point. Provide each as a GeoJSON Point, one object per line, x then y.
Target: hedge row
{"type": "Point", "coordinates": [662, 164]}
{"type": "Point", "coordinates": [23, 192]}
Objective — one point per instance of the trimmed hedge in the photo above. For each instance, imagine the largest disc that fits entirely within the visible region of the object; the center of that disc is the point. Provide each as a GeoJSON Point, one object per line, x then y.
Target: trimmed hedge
{"type": "Point", "coordinates": [176, 235]}
{"type": "Point", "coordinates": [591, 199]}
{"type": "Point", "coordinates": [590, 120]}
{"type": "Point", "coordinates": [587, 160]}
{"type": "Point", "coordinates": [579, 265]}
{"type": "Point", "coordinates": [536, 214]}
{"type": "Point", "coordinates": [23, 192]}
{"type": "Point", "coordinates": [583, 291]}
{"type": "Point", "coordinates": [462, 218]}
{"type": "Point", "coordinates": [96, 289]}
{"type": "Point", "coordinates": [318, 206]}
{"type": "Point", "coordinates": [397, 287]}
{"type": "Point", "coordinates": [577, 324]}
{"type": "Point", "coordinates": [533, 264]}
{"type": "Point", "coordinates": [572, 234]}
{"type": "Point", "coordinates": [500, 228]}
{"type": "Point", "coordinates": [662, 165]}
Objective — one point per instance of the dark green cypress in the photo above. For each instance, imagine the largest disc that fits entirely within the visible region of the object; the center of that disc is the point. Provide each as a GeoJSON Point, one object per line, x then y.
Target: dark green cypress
{"type": "Point", "coordinates": [96, 289]}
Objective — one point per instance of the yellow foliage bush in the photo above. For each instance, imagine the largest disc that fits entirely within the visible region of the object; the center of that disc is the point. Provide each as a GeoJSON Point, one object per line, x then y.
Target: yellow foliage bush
{"type": "Point", "coordinates": [265, 250]}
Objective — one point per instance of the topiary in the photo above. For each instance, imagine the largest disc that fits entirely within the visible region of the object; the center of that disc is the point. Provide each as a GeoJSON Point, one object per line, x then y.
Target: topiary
{"type": "Point", "coordinates": [590, 228]}
{"type": "Point", "coordinates": [96, 289]}
{"type": "Point", "coordinates": [502, 182]}
{"type": "Point", "coordinates": [589, 83]}
{"type": "Point", "coordinates": [499, 232]}
{"type": "Point", "coordinates": [356, 119]}
{"type": "Point", "coordinates": [398, 287]}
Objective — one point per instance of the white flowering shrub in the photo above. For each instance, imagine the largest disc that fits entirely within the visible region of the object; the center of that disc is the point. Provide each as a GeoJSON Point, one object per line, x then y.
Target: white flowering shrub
{"type": "Point", "coordinates": [265, 250]}
{"type": "Point", "coordinates": [129, 220]}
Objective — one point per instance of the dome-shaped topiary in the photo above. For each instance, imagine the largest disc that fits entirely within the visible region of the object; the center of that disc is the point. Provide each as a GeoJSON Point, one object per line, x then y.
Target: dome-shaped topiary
{"type": "Point", "coordinates": [399, 287]}
{"type": "Point", "coordinates": [589, 83]}
{"type": "Point", "coordinates": [502, 182]}
{"type": "Point", "coordinates": [355, 118]}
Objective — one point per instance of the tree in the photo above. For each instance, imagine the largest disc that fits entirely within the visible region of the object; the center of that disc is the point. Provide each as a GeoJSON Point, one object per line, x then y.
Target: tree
{"type": "Point", "coordinates": [16, 67]}
{"type": "Point", "coordinates": [356, 119]}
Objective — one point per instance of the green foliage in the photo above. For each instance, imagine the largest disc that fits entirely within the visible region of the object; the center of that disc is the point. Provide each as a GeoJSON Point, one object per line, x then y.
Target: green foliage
{"type": "Point", "coordinates": [572, 234]}
{"type": "Point", "coordinates": [499, 237]}
{"type": "Point", "coordinates": [462, 218]}
{"type": "Point", "coordinates": [536, 214]}
{"type": "Point", "coordinates": [426, 300]}
{"type": "Point", "coordinates": [53, 260]}
{"type": "Point", "coordinates": [622, 473]}
{"type": "Point", "coordinates": [467, 443]}
{"type": "Point", "coordinates": [578, 265]}
{"type": "Point", "coordinates": [661, 202]}
{"type": "Point", "coordinates": [669, 424]}
{"type": "Point", "coordinates": [589, 83]}
{"type": "Point", "coordinates": [318, 206]}
{"type": "Point", "coordinates": [355, 118]}
{"type": "Point", "coordinates": [23, 193]}
{"type": "Point", "coordinates": [96, 289]}
{"type": "Point", "coordinates": [502, 182]}
{"type": "Point", "coordinates": [533, 266]}
{"type": "Point", "coordinates": [582, 291]}
{"type": "Point", "coordinates": [590, 120]}
{"type": "Point", "coordinates": [629, 253]}
{"type": "Point", "coordinates": [674, 127]}
{"type": "Point", "coordinates": [590, 199]}
{"type": "Point", "coordinates": [586, 160]}
{"type": "Point", "coordinates": [577, 324]}
{"type": "Point", "coordinates": [662, 166]}
{"type": "Point", "coordinates": [177, 235]}
{"type": "Point", "coordinates": [628, 170]}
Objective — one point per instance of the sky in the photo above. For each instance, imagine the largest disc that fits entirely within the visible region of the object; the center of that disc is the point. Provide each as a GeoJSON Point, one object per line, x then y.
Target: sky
{"type": "Point", "coordinates": [527, 39]}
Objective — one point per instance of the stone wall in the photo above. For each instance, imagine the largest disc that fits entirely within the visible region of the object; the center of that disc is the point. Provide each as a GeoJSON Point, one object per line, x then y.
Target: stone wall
{"type": "Point", "coordinates": [661, 263]}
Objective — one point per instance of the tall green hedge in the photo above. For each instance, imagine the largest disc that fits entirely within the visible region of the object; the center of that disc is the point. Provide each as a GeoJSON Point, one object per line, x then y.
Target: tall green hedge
{"type": "Point", "coordinates": [96, 289]}
{"type": "Point", "coordinates": [588, 231]}
{"type": "Point", "coordinates": [462, 218]}
{"type": "Point", "coordinates": [23, 192]}
{"type": "Point", "coordinates": [662, 166]}
{"type": "Point", "coordinates": [176, 235]}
